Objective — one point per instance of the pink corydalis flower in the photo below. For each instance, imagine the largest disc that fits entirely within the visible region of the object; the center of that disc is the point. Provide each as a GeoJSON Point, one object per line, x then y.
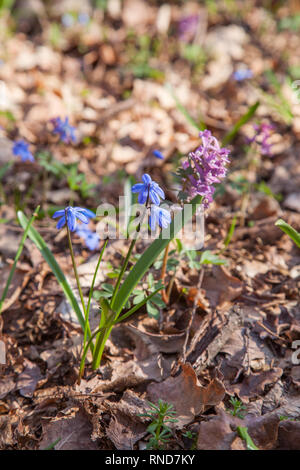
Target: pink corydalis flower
{"type": "Point", "coordinates": [187, 27]}
{"type": "Point", "coordinates": [262, 134]}
{"type": "Point", "coordinates": [204, 168]}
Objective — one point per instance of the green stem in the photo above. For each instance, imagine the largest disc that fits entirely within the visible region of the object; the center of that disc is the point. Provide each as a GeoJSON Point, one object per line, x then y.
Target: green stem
{"type": "Point", "coordinates": [86, 324]}
{"type": "Point", "coordinates": [76, 272]}
{"type": "Point", "coordinates": [20, 249]}
{"type": "Point", "coordinates": [92, 289]}
{"type": "Point", "coordinates": [121, 274]}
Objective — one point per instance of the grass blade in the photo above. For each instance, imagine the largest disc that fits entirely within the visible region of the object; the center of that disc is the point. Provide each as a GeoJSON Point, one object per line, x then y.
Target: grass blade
{"type": "Point", "coordinates": [289, 230]}
{"type": "Point", "coordinates": [243, 120]}
{"type": "Point", "coordinates": [20, 249]}
{"type": "Point", "coordinates": [145, 261]}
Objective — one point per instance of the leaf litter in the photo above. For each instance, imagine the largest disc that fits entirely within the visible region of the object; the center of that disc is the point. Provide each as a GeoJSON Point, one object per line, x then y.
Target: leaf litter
{"type": "Point", "coordinates": [238, 341]}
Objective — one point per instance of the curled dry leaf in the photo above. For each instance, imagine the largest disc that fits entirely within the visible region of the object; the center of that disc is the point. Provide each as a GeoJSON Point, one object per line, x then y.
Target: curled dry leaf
{"type": "Point", "coordinates": [28, 379]}
{"type": "Point", "coordinates": [74, 433]}
{"type": "Point", "coordinates": [186, 394]}
{"type": "Point", "coordinates": [124, 431]}
{"type": "Point", "coordinates": [254, 384]}
{"type": "Point", "coordinates": [218, 433]}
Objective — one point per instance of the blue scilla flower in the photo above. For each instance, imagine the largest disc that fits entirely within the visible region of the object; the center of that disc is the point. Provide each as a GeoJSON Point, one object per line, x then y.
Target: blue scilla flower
{"type": "Point", "coordinates": [91, 238]}
{"type": "Point", "coordinates": [73, 213]}
{"type": "Point", "coordinates": [242, 74]}
{"type": "Point", "coordinates": [158, 154]}
{"type": "Point", "coordinates": [159, 216]}
{"type": "Point", "coordinates": [83, 18]}
{"type": "Point", "coordinates": [67, 20]}
{"type": "Point", "coordinates": [64, 130]}
{"type": "Point", "coordinates": [20, 149]}
{"type": "Point", "coordinates": [148, 188]}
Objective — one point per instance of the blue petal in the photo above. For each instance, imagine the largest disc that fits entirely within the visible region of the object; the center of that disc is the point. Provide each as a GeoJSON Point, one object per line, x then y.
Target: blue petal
{"type": "Point", "coordinates": [154, 197]}
{"type": "Point", "coordinates": [153, 219]}
{"type": "Point", "coordinates": [158, 189]}
{"type": "Point", "coordinates": [138, 187]}
{"type": "Point", "coordinates": [86, 212]}
{"type": "Point", "coordinates": [146, 178]}
{"type": "Point", "coordinates": [142, 198]}
{"type": "Point", "coordinates": [164, 218]}
{"type": "Point", "coordinates": [61, 222]}
{"type": "Point", "coordinates": [81, 217]}
{"type": "Point", "coordinates": [71, 220]}
{"type": "Point", "coordinates": [58, 214]}
{"type": "Point", "coordinates": [158, 154]}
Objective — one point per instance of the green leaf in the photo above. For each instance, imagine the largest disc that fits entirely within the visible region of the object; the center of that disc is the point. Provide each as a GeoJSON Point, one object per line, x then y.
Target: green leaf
{"type": "Point", "coordinates": [49, 258]}
{"type": "Point", "coordinates": [243, 433]}
{"type": "Point", "coordinates": [207, 257]}
{"type": "Point", "coordinates": [289, 230]}
{"type": "Point", "coordinates": [243, 120]}
{"type": "Point", "coordinates": [18, 254]}
{"type": "Point", "coordinates": [146, 260]}
{"type": "Point", "coordinates": [152, 310]}
{"type": "Point", "coordinates": [230, 232]}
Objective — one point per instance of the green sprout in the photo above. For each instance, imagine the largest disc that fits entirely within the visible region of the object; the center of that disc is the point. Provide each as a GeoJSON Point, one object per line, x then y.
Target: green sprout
{"type": "Point", "coordinates": [238, 408]}
{"type": "Point", "coordinates": [159, 414]}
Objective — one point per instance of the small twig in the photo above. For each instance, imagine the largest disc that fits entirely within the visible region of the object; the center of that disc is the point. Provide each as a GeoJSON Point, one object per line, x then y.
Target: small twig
{"type": "Point", "coordinates": [270, 332]}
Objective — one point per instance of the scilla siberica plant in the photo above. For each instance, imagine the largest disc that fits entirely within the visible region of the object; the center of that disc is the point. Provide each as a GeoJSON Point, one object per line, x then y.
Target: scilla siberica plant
{"type": "Point", "coordinates": [202, 169]}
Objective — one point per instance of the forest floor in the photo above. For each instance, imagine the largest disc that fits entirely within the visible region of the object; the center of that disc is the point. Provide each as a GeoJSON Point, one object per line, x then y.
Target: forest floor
{"type": "Point", "coordinates": [220, 350]}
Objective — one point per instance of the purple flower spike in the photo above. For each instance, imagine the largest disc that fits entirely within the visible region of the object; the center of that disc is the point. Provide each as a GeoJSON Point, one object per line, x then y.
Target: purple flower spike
{"type": "Point", "coordinates": [20, 149]}
{"type": "Point", "coordinates": [204, 168]}
{"type": "Point", "coordinates": [73, 213]}
{"type": "Point", "coordinates": [64, 130]}
{"type": "Point", "coordinates": [187, 27]}
{"type": "Point", "coordinates": [148, 189]}
{"type": "Point", "coordinates": [262, 134]}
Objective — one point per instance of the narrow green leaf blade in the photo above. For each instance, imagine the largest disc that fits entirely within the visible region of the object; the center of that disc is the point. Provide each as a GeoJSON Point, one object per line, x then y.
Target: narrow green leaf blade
{"type": "Point", "coordinates": [243, 120]}
{"type": "Point", "coordinates": [146, 260]}
{"type": "Point", "coordinates": [289, 230]}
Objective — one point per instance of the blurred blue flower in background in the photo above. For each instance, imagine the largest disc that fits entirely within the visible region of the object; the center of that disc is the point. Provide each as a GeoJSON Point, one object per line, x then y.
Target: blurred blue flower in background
{"type": "Point", "coordinates": [64, 130]}
{"type": "Point", "coordinates": [20, 149]}
{"type": "Point", "coordinates": [242, 74]}
{"type": "Point", "coordinates": [67, 20]}
{"type": "Point", "coordinates": [83, 18]}
{"type": "Point", "coordinates": [73, 213]}
{"type": "Point", "coordinates": [158, 154]}
{"type": "Point", "coordinates": [91, 238]}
